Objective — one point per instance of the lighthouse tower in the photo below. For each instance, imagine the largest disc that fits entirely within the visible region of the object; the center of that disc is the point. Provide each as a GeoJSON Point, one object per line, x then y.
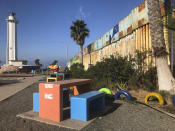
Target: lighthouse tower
{"type": "Point", "coordinates": [11, 39]}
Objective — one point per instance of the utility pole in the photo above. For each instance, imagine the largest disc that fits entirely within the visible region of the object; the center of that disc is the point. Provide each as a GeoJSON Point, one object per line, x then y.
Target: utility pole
{"type": "Point", "coordinates": [66, 52]}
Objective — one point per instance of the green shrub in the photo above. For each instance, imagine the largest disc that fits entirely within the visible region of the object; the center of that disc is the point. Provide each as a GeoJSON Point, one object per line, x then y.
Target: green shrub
{"type": "Point", "coordinates": [121, 85]}
{"type": "Point", "coordinates": [110, 71]}
{"type": "Point", "coordinates": [115, 71]}
{"type": "Point", "coordinates": [144, 76]}
{"type": "Point", "coordinates": [150, 79]}
{"type": "Point", "coordinates": [77, 71]}
{"type": "Point", "coordinates": [164, 94]}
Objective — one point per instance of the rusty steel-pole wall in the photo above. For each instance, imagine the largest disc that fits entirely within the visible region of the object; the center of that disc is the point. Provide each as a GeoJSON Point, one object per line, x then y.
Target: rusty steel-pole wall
{"type": "Point", "coordinates": [133, 34]}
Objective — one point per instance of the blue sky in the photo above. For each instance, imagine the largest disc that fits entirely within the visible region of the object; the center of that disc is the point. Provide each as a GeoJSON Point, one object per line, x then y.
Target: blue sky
{"type": "Point", "coordinates": [43, 29]}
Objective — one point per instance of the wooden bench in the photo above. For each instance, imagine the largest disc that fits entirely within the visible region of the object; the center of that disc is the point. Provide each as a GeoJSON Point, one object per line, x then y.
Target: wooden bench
{"type": "Point", "coordinates": [83, 104]}
{"type": "Point", "coordinates": [51, 96]}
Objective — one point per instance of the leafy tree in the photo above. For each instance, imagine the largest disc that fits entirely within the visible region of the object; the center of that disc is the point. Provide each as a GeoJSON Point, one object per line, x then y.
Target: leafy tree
{"type": "Point", "coordinates": [165, 78]}
{"type": "Point", "coordinates": [54, 62]}
{"type": "Point", "coordinates": [77, 71]}
{"type": "Point", "coordinates": [67, 70]}
{"type": "Point", "coordinates": [79, 32]}
{"type": "Point", "coordinates": [37, 62]}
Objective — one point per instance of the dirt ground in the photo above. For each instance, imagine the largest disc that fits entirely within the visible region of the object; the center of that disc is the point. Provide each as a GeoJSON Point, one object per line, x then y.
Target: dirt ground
{"type": "Point", "coordinates": [139, 95]}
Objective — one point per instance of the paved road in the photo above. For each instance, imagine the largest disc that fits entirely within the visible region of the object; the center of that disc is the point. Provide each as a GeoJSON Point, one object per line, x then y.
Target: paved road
{"type": "Point", "coordinates": [124, 116]}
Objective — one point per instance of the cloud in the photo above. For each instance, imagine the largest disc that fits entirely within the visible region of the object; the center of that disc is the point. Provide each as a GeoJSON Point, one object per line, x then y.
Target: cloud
{"type": "Point", "coordinates": [80, 13]}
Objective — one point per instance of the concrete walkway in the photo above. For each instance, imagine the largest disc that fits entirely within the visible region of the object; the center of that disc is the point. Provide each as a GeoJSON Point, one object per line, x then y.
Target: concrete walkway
{"type": "Point", "coordinates": [11, 89]}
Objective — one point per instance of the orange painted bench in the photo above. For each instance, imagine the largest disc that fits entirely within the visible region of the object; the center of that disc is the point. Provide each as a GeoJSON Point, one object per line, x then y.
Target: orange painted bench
{"type": "Point", "coordinates": [51, 96]}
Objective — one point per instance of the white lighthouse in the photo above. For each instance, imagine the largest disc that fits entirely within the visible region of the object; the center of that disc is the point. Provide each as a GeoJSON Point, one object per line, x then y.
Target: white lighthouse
{"type": "Point", "coordinates": [11, 39]}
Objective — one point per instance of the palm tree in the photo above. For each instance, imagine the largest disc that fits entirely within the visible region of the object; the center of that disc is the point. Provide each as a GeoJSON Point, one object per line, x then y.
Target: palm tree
{"type": "Point", "coordinates": [79, 32]}
{"type": "Point", "coordinates": [165, 77]}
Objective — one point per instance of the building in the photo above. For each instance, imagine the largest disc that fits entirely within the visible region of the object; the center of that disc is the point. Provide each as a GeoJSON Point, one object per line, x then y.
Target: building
{"type": "Point", "coordinates": [12, 52]}
{"type": "Point", "coordinates": [18, 62]}
{"type": "Point", "coordinates": [11, 38]}
{"type": "Point", "coordinates": [130, 34]}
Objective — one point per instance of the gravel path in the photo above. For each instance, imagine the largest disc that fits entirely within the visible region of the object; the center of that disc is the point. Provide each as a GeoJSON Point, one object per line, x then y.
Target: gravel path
{"type": "Point", "coordinates": [125, 116]}
{"type": "Point", "coordinates": [133, 117]}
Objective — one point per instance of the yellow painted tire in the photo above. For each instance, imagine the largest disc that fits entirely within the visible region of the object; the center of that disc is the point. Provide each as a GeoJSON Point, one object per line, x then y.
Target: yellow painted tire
{"type": "Point", "coordinates": [158, 96]}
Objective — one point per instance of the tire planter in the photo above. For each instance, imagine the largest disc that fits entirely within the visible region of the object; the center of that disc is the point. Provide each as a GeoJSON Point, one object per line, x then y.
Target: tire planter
{"type": "Point", "coordinates": [127, 94]}
{"type": "Point", "coordinates": [158, 96]}
{"type": "Point", "coordinates": [174, 100]}
{"type": "Point", "coordinates": [106, 91]}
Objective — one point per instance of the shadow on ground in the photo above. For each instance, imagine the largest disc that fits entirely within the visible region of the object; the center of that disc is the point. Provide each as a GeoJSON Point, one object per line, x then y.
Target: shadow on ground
{"type": "Point", "coordinates": [110, 107]}
{"type": "Point", "coordinates": [7, 82]}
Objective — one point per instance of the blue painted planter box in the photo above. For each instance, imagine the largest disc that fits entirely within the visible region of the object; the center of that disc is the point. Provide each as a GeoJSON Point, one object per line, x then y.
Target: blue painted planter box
{"type": "Point", "coordinates": [174, 100]}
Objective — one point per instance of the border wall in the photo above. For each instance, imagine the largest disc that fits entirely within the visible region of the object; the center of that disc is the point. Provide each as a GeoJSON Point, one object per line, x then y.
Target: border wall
{"type": "Point", "coordinates": [131, 34]}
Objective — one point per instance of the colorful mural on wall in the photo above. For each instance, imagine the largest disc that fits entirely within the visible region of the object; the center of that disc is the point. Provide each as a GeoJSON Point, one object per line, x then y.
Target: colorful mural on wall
{"type": "Point", "coordinates": [130, 34]}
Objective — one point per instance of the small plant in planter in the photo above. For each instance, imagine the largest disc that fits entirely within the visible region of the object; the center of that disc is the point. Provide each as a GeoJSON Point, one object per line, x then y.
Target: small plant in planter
{"type": "Point", "coordinates": [122, 85]}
